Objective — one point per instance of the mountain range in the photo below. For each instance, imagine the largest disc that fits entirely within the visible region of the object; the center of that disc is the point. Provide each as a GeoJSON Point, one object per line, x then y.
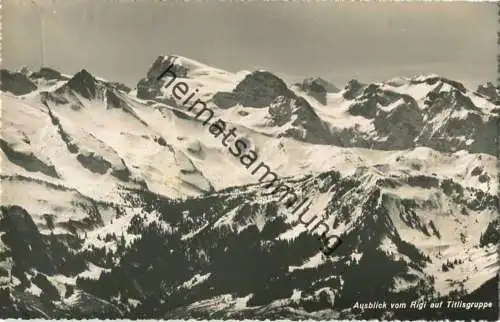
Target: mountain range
{"type": "Point", "coordinates": [117, 203]}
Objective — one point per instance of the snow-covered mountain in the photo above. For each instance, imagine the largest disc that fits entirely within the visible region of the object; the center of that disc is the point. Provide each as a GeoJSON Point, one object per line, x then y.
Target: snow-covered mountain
{"type": "Point", "coordinates": [117, 202]}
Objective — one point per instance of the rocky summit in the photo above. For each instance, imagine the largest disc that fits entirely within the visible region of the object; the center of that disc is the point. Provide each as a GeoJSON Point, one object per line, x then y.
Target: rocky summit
{"type": "Point", "coordinates": [118, 203]}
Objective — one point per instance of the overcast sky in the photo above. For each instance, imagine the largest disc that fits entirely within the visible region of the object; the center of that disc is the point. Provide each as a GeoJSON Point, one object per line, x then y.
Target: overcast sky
{"type": "Point", "coordinates": [338, 41]}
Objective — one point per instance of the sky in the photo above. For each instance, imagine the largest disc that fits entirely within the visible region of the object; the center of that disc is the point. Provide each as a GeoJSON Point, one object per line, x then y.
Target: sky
{"type": "Point", "coordinates": [339, 41]}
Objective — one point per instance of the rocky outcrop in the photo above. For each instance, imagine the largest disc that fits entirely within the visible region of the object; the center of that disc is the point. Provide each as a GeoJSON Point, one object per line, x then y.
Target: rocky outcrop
{"type": "Point", "coordinates": [317, 88]}
{"type": "Point", "coordinates": [82, 83]}
{"type": "Point", "coordinates": [30, 249]}
{"type": "Point", "coordinates": [120, 86]}
{"type": "Point", "coordinates": [491, 235]}
{"type": "Point", "coordinates": [462, 125]}
{"type": "Point", "coordinates": [113, 100]}
{"type": "Point", "coordinates": [434, 79]}
{"type": "Point", "coordinates": [490, 91]}
{"type": "Point", "coordinates": [401, 125]}
{"type": "Point", "coordinates": [352, 89]}
{"type": "Point", "coordinates": [94, 162]}
{"type": "Point", "coordinates": [48, 74]}
{"type": "Point", "coordinates": [28, 161]}
{"type": "Point", "coordinates": [150, 86]}
{"type": "Point", "coordinates": [162, 63]}
{"type": "Point", "coordinates": [368, 101]}
{"type": "Point", "coordinates": [315, 131]}
{"type": "Point", "coordinates": [306, 125]}
{"type": "Point", "coordinates": [260, 88]}
{"type": "Point", "coordinates": [97, 164]}
{"type": "Point", "coordinates": [280, 110]}
{"type": "Point", "coordinates": [147, 89]}
{"type": "Point", "coordinates": [225, 99]}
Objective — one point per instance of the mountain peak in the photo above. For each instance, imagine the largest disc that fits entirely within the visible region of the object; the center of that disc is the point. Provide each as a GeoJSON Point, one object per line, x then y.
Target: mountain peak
{"type": "Point", "coordinates": [15, 82]}
{"type": "Point", "coordinates": [260, 88]}
{"type": "Point", "coordinates": [48, 73]}
{"type": "Point", "coordinates": [318, 88]}
{"type": "Point", "coordinates": [490, 91]}
{"type": "Point", "coordinates": [83, 74]}
{"type": "Point", "coordinates": [352, 89]}
{"type": "Point", "coordinates": [83, 83]}
{"type": "Point", "coordinates": [162, 63]}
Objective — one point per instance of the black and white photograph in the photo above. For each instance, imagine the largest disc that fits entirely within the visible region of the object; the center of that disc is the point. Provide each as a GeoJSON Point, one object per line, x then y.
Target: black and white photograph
{"type": "Point", "coordinates": [249, 160]}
